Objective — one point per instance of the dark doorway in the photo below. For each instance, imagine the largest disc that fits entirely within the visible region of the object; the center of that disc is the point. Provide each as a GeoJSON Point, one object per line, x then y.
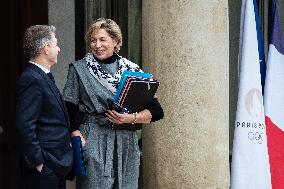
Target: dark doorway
{"type": "Point", "coordinates": [16, 16]}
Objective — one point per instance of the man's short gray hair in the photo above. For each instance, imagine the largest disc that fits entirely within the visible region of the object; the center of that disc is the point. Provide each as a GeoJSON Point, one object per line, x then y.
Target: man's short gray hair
{"type": "Point", "coordinates": [36, 37]}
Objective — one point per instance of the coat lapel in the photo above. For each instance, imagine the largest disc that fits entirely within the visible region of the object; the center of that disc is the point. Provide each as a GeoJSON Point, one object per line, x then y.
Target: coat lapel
{"type": "Point", "coordinates": [53, 88]}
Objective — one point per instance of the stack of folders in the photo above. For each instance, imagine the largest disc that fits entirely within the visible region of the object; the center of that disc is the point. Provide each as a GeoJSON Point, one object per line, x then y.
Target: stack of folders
{"type": "Point", "coordinates": [134, 93]}
{"type": "Point", "coordinates": [78, 156]}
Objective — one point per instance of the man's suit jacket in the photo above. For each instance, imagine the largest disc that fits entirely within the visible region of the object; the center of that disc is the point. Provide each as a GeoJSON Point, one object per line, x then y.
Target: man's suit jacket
{"type": "Point", "coordinates": [42, 122]}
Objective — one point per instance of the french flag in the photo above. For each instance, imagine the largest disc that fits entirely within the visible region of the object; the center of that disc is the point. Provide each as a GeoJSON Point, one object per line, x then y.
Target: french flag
{"type": "Point", "coordinates": [274, 98]}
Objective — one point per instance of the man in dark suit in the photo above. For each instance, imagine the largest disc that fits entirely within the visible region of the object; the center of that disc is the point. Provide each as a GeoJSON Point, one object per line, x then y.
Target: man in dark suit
{"type": "Point", "coordinates": [41, 116]}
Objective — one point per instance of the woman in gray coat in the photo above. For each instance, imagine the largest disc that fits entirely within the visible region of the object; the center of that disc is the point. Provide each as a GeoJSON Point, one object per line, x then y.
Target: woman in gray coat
{"type": "Point", "coordinates": [112, 156]}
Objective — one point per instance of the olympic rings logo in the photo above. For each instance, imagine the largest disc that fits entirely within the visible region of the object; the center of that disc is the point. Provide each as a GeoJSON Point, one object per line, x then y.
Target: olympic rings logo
{"type": "Point", "coordinates": [256, 137]}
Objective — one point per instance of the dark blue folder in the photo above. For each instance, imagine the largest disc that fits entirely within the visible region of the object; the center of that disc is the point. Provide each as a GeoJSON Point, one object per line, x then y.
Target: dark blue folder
{"type": "Point", "coordinates": [78, 156]}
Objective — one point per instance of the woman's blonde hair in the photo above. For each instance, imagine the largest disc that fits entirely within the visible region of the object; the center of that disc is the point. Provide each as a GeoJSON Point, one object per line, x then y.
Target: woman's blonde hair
{"type": "Point", "coordinates": [111, 28]}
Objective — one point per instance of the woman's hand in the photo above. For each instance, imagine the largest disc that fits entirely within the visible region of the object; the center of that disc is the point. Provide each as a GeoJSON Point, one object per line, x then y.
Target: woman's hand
{"type": "Point", "coordinates": [118, 118]}
{"type": "Point", "coordinates": [78, 133]}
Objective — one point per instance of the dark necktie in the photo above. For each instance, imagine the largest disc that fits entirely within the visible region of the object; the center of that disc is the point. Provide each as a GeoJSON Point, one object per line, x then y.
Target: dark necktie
{"type": "Point", "coordinates": [51, 76]}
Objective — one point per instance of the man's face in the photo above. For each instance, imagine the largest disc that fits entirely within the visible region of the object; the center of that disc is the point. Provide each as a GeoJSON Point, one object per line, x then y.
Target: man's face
{"type": "Point", "coordinates": [53, 51]}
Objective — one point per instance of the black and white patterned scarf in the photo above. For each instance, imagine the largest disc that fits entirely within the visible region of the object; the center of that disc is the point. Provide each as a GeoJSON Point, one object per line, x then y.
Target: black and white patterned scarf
{"type": "Point", "coordinates": [107, 80]}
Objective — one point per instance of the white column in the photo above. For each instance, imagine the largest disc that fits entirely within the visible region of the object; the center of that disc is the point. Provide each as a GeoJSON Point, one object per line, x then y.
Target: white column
{"type": "Point", "coordinates": [185, 45]}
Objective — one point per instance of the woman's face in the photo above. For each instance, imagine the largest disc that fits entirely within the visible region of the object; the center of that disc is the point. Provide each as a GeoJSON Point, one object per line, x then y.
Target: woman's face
{"type": "Point", "coordinates": [102, 45]}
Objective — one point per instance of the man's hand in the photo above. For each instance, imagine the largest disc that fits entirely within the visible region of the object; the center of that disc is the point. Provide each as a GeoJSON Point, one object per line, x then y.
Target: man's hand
{"type": "Point", "coordinates": [39, 167]}
{"type": "Point", "coordinates": [78, 133]}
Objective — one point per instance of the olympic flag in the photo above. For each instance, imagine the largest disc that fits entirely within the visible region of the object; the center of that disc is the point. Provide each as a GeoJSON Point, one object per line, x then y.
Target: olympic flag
{"type": "Point", "coordinates": [250, 162]}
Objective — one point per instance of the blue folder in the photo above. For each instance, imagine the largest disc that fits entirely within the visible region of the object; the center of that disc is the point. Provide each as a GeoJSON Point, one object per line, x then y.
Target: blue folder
{"type": "Point", "coordinates": [78, 156]}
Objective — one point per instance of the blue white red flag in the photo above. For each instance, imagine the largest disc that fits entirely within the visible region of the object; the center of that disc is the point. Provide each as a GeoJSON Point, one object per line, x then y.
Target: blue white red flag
{"type": "Point", "coordinates": [274, 98]}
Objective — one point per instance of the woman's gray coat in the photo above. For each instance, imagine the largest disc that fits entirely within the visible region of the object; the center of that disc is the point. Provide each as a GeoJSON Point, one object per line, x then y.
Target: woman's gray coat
{"type": "Point", "coordinates": [112, 156]}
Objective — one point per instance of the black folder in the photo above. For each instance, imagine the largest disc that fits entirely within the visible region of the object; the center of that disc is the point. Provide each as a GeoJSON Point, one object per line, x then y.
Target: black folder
{"type": "Point", "coordinates": [136, 93]}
